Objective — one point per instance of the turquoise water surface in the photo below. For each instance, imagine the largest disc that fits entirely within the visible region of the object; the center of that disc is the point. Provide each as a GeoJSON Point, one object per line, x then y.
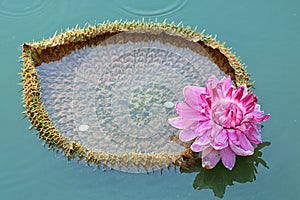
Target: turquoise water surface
{"type": "Point", "coordinates": [265, 34]}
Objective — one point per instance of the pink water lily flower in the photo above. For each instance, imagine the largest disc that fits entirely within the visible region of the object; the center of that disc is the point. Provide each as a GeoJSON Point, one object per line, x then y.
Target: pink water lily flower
{"type": "Point", "coordinates": [224, 121]}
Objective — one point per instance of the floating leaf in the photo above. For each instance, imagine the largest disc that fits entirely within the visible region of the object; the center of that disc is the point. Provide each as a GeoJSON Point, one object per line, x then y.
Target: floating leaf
{"type": "Point", "coordinates": [218, 178]}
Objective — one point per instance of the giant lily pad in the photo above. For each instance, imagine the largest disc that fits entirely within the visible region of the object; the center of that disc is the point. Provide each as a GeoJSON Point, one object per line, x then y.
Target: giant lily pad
{"type": "Point", "coordinates": [104, 93]}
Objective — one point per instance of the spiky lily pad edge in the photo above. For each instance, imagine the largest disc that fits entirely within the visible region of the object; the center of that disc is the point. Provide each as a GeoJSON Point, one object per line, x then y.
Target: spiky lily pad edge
{"type": "Point", "coordinates": [33, 56]}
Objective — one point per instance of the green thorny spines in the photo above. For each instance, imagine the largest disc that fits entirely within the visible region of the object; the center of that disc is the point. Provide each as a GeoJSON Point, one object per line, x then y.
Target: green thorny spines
{"type": "Point", "coordinates": [39, 118]}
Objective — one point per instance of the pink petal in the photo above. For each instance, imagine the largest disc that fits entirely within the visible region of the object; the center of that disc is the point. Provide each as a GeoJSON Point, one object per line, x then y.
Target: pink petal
{"type": "Point", "coordinates": [221, 141]}
{"type": "Point", "coordinates": [249, 102]}
{"type": "Point", "coordinates": [227, 84]}
{"type": "Point", "coordinates": [240, 145]}
{"type": "Point", "coordinates": [232, 135]}
{"type": "Point", "coordinates": [253, 134]}
{"type": "Point", "coordinates": [222, 89]}
{"type": "Point", "coordinates": [244, 142]}
{"type": "Point", "coordinates": [180, 123]}
{"type": "Point", "coordinates": [188, 113]}
{"type": "Point", "coordinates": [260, 117]}
{"type": "Point", "coordinates": [207, 100]}
{"type": "Point", "coordinates": [202, 140]}
{"type": "Point", "coordinates": [210, 158]}
{"type": "Point", "coordinates": [243, 127]}
{"type": "Point", "coordinates": [203, 127]}
{"type": "Point", "coordinates": [198, 148]}
{"type": "Point", "coordinates": [212, 82]}
{"type": "Point", "coordinates": [239, 151]}
{"type": "Point", "coordinates": [192, 96]}
{"type": "Point", "coordinates": [216, 129]}
{"type": "Point", "coordinates": [233, 116]}
{"type": "Point", "coordinates": [256, 116]}
{"type": "Point", "coordinates": [240, 93]}
{"type": "Point", "coordinates": [228, 157]}
{"type": "Point", "coordinates": [187, 135]}
{"type": "Point", "coordinates": [229, 92]}
{"type": "Point", "coordinates": [217, 93]}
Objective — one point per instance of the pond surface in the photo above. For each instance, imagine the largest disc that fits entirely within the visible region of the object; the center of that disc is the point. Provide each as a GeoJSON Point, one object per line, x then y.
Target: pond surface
{"type": "Point", "coordinates": [264, 34]}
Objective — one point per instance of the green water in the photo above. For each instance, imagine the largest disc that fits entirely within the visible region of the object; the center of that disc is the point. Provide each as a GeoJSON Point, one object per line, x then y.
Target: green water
{"type": "Point", "coordinates": [264, 33]}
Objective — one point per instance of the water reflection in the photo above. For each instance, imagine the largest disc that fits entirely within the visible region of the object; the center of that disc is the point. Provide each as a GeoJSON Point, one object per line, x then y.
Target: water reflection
{"type": "Point", "coordinates": [218, 178]}
{"type": "Point", "coordinates": [19, 8]}
{"type": "Point", "coordinates": [151, 8]}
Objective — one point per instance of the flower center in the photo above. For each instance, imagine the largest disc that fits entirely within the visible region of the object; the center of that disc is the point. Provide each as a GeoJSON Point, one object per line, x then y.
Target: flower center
{"type": "Point", "coordinates": [227, 114]}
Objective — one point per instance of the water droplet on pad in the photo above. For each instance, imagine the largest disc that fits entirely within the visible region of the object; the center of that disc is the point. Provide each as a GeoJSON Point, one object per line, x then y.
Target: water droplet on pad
{"type": "Point", "coordinates": [83, 127]}
{"type": "Point", "coordinates": [169, 104]}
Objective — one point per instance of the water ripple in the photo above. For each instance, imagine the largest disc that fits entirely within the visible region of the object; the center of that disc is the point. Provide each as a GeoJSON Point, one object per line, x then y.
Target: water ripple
{"type": "Point", "coordinates": [21, 8]}
{"type": "Point", "coordinates": [151, 8]}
